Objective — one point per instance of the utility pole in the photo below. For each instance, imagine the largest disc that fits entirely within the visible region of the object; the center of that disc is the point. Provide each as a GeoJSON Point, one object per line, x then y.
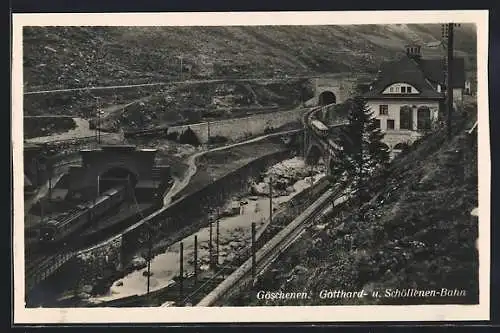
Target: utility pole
{"type": "Point", "coordinates": [270, 200]}
{"type": "Point", "coordinates": [181, 273]}
{"type": "Point", "coordinates": [449, 80]}
{"type": "Point", "coordinates": [254, 261]}
{"type": "Point", "coordinates": [98, 185]}
{"type": "Point", "coordinates": [208, 131]}
{"type": "Point", "coordinates": [210, 245]}
{"type": "Point", "coordinates": [180, 74]}
{"type": "Point", "coordinates": [49, 166]}
{"type": "Point", "coordinates": [149, 258]}
{"type": "Point", "coordinates": [195, 259]}
{"type": "Point", "coordinates": [217, 241]}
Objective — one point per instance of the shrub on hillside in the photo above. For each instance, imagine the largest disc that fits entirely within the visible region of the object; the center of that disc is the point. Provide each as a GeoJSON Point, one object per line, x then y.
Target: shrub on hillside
{"type": "Point", "coordinates": [189, 137]}
{"type": "Point", "coordinates": [172, 136]}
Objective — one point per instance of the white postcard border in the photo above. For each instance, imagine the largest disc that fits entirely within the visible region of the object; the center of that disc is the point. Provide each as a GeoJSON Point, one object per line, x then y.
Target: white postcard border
{"type": "Point", "coordinates": [255, 314]}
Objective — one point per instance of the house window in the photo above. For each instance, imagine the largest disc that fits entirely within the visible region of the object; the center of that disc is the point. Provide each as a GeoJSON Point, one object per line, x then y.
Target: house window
{"type": "Point", "coordinates": [391, 89]}
{"type": "Point", "coordinates": [408, 89]}
{"type": "Point", "coordinates": [403, 89]}
{"type": "Point", "coordinates": [383, 110]}
{"type": "Point", "coordinates": [405, 118]}
{"type": "Point", "coordinates": [390, 124]}
{"type": "Point", "coordinates": [377, 123]}
{"type": "Point", "coordinates": [423, 118]}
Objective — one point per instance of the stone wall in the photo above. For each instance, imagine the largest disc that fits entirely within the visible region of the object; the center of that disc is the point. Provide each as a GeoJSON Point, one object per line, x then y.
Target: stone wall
{"type": "Point", "coordinates": [99, 263]}
{"type": "Point", "coordinates": [238, 128]}
{"type": "Point", "coordinates": [194, 208]}
{"type": "Point", "coordinates": [93, 269]}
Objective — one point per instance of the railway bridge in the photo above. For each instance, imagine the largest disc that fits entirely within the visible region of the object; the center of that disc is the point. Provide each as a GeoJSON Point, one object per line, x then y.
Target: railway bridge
{"type": "Point", "coordinates": [322, 145]}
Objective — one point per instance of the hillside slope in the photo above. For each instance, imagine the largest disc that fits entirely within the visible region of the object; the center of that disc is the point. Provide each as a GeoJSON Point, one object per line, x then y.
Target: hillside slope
{"type": "Point", "coordinates": [416, 233]}
{"type": "Point", "coordinates": [85, 57]}
{"type": "Point", "coordinates": [65, 57]}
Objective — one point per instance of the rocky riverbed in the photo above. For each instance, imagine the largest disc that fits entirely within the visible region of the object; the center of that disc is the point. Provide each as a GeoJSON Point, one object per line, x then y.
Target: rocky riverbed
{"type": "Point", "coordinates": [289, 178]}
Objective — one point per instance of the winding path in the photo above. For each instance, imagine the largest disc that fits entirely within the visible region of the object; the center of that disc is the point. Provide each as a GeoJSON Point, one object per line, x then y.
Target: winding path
{"type": "Point", "coordinates": [179, 185]}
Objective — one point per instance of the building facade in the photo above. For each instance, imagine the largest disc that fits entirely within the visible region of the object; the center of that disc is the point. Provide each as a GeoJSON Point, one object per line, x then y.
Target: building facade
{"type": "Point", "coordinates": [407, 95]}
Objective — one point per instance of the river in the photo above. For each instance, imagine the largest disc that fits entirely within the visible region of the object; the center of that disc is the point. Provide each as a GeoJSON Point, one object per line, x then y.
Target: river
{"type": "Point", "coordinates": [234, 233]}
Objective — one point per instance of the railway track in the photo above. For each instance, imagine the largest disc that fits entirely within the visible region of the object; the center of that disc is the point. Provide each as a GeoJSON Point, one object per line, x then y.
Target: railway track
{"type": "Point", "coordinates": [272, 249]}
{"type": "Point", "coordinates": [279, 243]}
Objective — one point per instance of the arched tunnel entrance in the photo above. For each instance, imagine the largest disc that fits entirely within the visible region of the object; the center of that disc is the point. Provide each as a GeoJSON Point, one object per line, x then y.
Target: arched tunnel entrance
{"type": "Point", "coordinates": [327, 97]}
{"type": "Point", "coordinates": [115, 177]}
{"type": "Point", "coordinates": [313, 155]}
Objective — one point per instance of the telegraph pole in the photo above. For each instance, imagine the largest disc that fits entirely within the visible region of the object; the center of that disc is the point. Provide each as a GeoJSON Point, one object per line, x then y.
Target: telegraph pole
{"type": "Point", "coordinates": [49, 166]}
{"type": "Point", "coordinates": [449, 76]}
{"type": "Point", "coordinates": [195, 259]}
{"type": "Point", "coordinates": [270, 200]}
{"type": "Point", "coordinates": [210, 245]}
{"type": "Point", "coordinates": [149, 257]}
{"type": "Point", "coordinates": [180, 75]}
{"type": "Point", "coordinates": [181, 273]}
{"type": "Point", "coordinates": [217, 241]}
{"type": "Point", "coordinates": [254, 260]}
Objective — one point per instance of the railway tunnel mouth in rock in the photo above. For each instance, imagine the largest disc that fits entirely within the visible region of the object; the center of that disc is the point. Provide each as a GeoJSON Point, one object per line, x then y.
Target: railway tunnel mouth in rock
{"type": "Point", "coordinates": [117, 176]}
{"type": "Point", "coordinates": [313, 155]}
{"type": "Point", "coordinates": [327, 97]}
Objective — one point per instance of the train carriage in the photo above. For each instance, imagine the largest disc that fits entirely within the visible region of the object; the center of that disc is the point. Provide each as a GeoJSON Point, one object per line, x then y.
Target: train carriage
{"type": "Point", "coordinates": [58, 228]}
{"type": "Point", "coordinates": [319, 128]}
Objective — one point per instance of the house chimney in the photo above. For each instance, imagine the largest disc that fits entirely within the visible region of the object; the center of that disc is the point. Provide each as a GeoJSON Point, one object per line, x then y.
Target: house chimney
{"type": "Point", "coordinates": [413, 51]}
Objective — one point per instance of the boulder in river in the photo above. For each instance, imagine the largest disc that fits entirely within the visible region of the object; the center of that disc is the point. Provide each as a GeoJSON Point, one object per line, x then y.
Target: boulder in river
{"type": "Point", "coordinates": [86, 289]}
{"type": "Point", "coordinates": [138, 262]}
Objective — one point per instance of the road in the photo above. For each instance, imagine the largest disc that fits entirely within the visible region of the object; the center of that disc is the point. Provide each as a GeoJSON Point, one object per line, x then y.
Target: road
{"type": "Point", "coordinates": [185, 82]}
{"type": "Point", "coordinates": [180, 184]}
{"type": "Point", "coordinates": [81, 130]}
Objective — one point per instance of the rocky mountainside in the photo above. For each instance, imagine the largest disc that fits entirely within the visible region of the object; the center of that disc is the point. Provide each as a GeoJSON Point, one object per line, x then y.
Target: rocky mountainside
{"type": "Point", "coordinates": [66, 57]}
{"type": "Point", "coordinates": [83, 57]}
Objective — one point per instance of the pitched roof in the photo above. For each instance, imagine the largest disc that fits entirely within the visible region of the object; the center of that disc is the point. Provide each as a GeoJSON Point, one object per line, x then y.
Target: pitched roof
{"type": "Point", "coordinates": [434, 71]}
{"type": "Point", "coordinates": [402, 70]}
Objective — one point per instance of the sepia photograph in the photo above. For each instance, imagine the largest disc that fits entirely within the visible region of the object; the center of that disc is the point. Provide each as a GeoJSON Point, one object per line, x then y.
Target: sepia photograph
{"type": "Point", "coordinates": [271, 162]}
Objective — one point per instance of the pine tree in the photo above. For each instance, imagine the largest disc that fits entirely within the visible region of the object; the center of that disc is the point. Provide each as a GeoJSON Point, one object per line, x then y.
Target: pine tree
{"type": "Point", "coordinates": [362, 154]}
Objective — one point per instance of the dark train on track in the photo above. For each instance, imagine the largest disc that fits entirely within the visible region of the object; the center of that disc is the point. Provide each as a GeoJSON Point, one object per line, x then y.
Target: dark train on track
{"type": "Point", "coordinates": [55, 229]}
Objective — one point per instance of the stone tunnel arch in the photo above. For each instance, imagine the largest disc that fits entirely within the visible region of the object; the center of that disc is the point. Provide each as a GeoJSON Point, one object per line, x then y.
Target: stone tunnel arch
{"type": "Point", "coordinates": [116, 176]}
{"type": "Point", "coordinates": [327, 97]}
{"type": "Point", "coordinates": [313, 155]}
